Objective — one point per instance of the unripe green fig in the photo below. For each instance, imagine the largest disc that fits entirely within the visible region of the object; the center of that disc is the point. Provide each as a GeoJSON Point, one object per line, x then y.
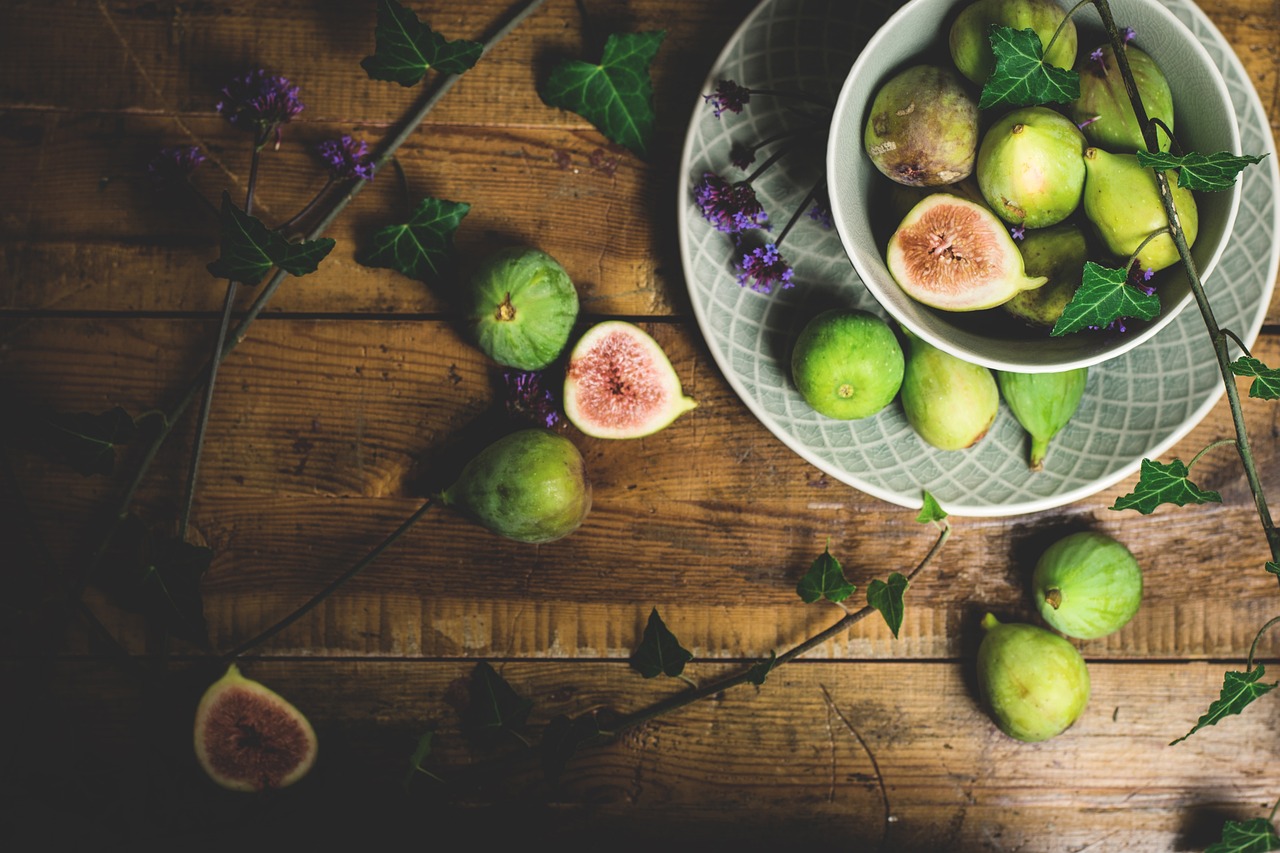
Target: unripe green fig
{"type": "Point", "coordinates": [1058, 253]}
{"type": "Point", "coordinates": [922, 129]}
{"type": "Point", "coordinates": [1031, 167]}
{"type": "Point", "coordinates": [949, 402]}
{"type": "Point", "coordinates": [530, 486]}
{"type": "Point", "coordinates": [1043, 403]}
{"type": "Point", "coordinates": [520, 306]}
{"type": "Point", "coordinates": [1103, 110]}
{"type": "Point", "coordinates": [1122, 201]}
{"type": "Point", "coordinates": [1087, 585]}
{"type": "Point", "coordinates": [970, 34]}
{"type": "Point", "coordinates": [847, 364]}
{"type": "Point", "coordinates": [1034, 682]}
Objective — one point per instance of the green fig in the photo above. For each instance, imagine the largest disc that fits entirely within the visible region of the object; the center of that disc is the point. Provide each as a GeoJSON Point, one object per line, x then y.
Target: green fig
{"type": "Point", "coordinates": [847, 364]}
{"type": "Point", "coordinates": [520, 306]}
{"type": "Point", "coordinates": [922, 128]}
{"type": "Point", "coordinates": [530, 486]}
{"type": "Point", "coordinates": [1031, 167]}
{"type": "Point", "coordinates": [1087, 585]}
{"type": "Point", "coordinates": [949, 402]}
{"type": "Point", "coordinates": [1034, 682]}
{"type": "Point", "coordinates": [1042, 403]}
{"type": "Point", "coordinates": [970, 34]}
{"type": "Point", "coordinates": [1122, 201]}
{"type": "Point", "coordinates": [1103, 110]}
{"type": "Point", "coordinates": [1059, 253]}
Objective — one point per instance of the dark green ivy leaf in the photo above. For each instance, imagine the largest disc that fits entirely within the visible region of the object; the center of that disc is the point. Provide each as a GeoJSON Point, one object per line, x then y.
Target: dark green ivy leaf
{"type": "Point", "coordinates": [250, 249]}
{"type": "Point", "coordinates": [1104, 296]}
{"type": "Point", "coordinates": [660, 652]}
{"type": "Point", "coordinates": [1164, 484]}
{"type": "Point", "coordinates": [930, 510]}
{"type": "Point", "coordinates": [495, 707]}
{"type": "Point", "coordinates": [887, 598]}
{"type": "Point", "coordinates": [1021, 77]}
{"type": "Point", "coordinates": [1252, 836]}
{"type": "Point", "coordinates": [1274, 568]}
{"type": "Point", "coordinates": [420, 753]}
{"type": "Point", "coordinates": [1200, 171]}
{"type": "Point", "coordinates": [421, 248]}
{"type": "Point", "coordinates": [616, 95]}
{"type": "Point", "coordinates": [1238, 690]}
{"type": "Point", "coordinates": [85, 441]}
{"type": "Point", "coordinates": [1266, 380]}
{"type": "Point", "coordinates": [404, 48]}
{"type": "Point", "coordinates": [825, 579]}
{"type": "Point", "coordinates": [158, 577]}
{"type": "Point", "coordinates": [760, 670]}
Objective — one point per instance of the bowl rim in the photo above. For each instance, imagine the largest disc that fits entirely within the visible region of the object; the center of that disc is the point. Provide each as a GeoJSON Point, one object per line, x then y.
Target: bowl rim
{"type": "Point", "coordinates": [892, 302]}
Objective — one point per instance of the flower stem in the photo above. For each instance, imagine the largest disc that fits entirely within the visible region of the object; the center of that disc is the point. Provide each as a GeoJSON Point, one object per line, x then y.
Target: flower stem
{"type": "Point", "coordinates": [800, 209]}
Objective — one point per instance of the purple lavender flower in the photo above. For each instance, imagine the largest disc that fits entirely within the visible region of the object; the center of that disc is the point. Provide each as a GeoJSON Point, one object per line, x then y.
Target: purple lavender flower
{"type": "Point", "coordinates": [731, 208]}
{"type": "Point", "coordinates": [259, 102]}
{"type": "Point", "coordinates": [347, 158]}
{"type": "Point", "coordinates": [174, 164]}
{"type": "Point", "coordinates": [728, 96]}
{"type": "Point", "coordinates": [1096, 56]}
{"type": "Point", "coordinates": [821, 213]}
{"type": "Point", "coordinates": [1140, 280]}
{"type": "Point", "coordinates": [1018, 232]}
{"type": "Point", "coordinates": [766, 267]}
{"type": "Point", "coordinates": [528, 399]}
{"type": "Point", "coordinates": [1128, 34]}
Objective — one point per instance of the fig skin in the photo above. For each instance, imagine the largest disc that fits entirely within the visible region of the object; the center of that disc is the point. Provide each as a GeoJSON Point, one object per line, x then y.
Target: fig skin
{"type": "Point", "coordinates": [955, 255]}
{"type": "Point", "coordinates": [847, 364]}
{"type": "Point", "coordinates": [530, 486]}
{"type": "Point", "coordinates": [1087, 585]}
{"type": "Point", "coordinates": [970, 33]}
{"type": "Point", "coordinates": [1034, 683]}
{"type": "Point", "coordinates": [1031, 167]}
{"type": "Point", "coordinates": [520, 306]}
{"type": "Point", "coordinates": [1059, 253]}
{"type": "Point", "coordinates": [1122, 202]}
{"type": "Point", "coordinates": [922, 128]}
{"type": "Point", "coordinates": [1043, 403]}
{"type": "Point", "coordinates": [949, 402]}
{"type": "Point", "coordinates": [1104, 108]}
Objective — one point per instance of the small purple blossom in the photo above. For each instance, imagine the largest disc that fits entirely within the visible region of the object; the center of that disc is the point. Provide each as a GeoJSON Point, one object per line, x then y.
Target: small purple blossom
{"type": "Point", "coordinates": [1148, 273]}
{"type": "Point", "coordinates": [731, 208]}
{"type": "Point", "coordinates": [259, 102]}
{"type": "Point", "coordinates": [767, 267]}
{"type": "Point", "coordinates": [528, 399]}
{"type": "Point", "coordinates": [1140, 280]}
{"type": "Point", "coordinates": [1096, 56]}
{"type": "Point", "coordinates": [347, 158]}
{"type": "Point", "coordinates": [728, 96]}
{"type": "Point", "coordinates": [821, 213]}
{"type": "Point", "coordinates": [1018, 232]}
{"type": "Point", "coordinates": [1082, 125]}
{"type": "Point", "coordinates": [1128, 34]}
{"type": "Point", "coordinates": [174, 164]}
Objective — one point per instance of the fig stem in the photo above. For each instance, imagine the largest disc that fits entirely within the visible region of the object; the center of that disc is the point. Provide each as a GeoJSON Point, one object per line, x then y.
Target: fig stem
{"type": "Point", "coordinates": [1053, 598]}
{"type": "Point", "coordinates": [332, 587]}
{"type": "Point", "coordinates": [1039, 448]}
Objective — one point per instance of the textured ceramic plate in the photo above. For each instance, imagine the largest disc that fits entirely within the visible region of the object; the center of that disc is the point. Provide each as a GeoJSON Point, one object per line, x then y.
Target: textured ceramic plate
{"type": "Point", "coordinates": [1135, 406]}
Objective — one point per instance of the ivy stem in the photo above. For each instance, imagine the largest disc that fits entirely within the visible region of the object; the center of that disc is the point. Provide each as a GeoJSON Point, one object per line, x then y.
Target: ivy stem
{"type": "Point", "coordinates": [1230, 334]}
{"type": "Point", "coordinates": [1213, 445]}
{"type": "Point", "coordinates": [1065, 18]}
{"type": "Point", "coordinates": [1271, 818]}
{"type": "Point", "coordinates": [308, 207]}
{"type": "Point", "coordinates": [332, 587]}
{"type": "Point", "coordinates": [1254, 648]}
{"type": "Point", "coordinates": [1216, 335]}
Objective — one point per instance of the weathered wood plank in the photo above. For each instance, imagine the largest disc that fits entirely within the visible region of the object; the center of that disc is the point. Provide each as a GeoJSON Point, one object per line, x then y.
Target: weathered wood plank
{"type": "Point", "coordinates": [822, 754]}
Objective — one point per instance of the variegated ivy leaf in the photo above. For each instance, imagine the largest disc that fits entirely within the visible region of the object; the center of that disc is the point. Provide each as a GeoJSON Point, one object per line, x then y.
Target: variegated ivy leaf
{"type": "Point", "coordinates": [888, 599]}
{"type": "Point", "coordinates": [250, 249]}
{"type": "Point", "coordinates": [1207, 172]}
{"type": "Point", "coordinates": [1021, 76]}
{"type": "Point", "coordinates": [1266, 380]}
{"type": "Point", "coordinates": [404, 48]}
{"type": "Point", "coordinates": [1164, 484]}
{"type": "Point", "coordinates": [1103, 297]}
{"type": "Point", "coordinates": [421, 248]}
{"type": "Point", "coordinates": [1238, 690]}
{"type": "Point", "coordinates": [1250, 836]}
{"type": "Point", "coordinates": [825, 579]}
{"type": "Point", "coordinates": [930, 510]}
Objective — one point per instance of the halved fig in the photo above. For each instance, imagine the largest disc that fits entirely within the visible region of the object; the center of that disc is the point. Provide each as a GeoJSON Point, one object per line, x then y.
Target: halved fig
{"type": "Point", "coordinates": [620, 384]}
{"type": "Point", "coordinates": [248, 738]}
{"type": "Point", "coordinates": [955, 255]}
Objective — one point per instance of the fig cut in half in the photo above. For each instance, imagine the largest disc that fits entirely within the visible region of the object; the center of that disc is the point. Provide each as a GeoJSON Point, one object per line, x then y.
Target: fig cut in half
{"type": "Point", "coordinates": [620, 384]}
{"type": "Point", "coordinates": [955, 255]}
{"type": "Point", "coordinates": [248, 738]}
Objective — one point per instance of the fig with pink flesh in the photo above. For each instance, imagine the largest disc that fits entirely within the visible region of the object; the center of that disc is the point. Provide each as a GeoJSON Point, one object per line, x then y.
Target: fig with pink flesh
{"type": "Point", "coordinates": [248, 738]}
{"type": "Point", "coordinates": [922, 129]}
{"type": "Point", "coordinates": [620, 384]}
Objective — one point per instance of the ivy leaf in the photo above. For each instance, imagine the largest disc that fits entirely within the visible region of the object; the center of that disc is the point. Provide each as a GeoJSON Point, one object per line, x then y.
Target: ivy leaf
{"type": "Point", "coordinates": [561, 739]}
{"type": "Point", "coordinates": [1103, 297]}
{"type": "Point", "coordinates": [1164, 484]}
{"type": "Point", "coordinates": [887, 598]}
{"type": "Point", "coordinates": [931, 511]}
{"type": "Point", "coordinates": [760, 670]}
{"type": "Point", "coordinates": [250, 249]}
{"type": "Point", "coordinates": [1252, 836]}
{"type": "Point", "coordinates": [616, 95]}
{"type": "Point", "coordinates": [158, 577]}
{"type": "Point", "coordinates": [1266, 382]}
{"type": "Point", "coordinates": [1207, 172]}
{"type": "Point", "coordinates": [420, 753]}
{"type": "Point", "coordinates": [404, 48]}
{"type": "Point", "coordinates": [1238, 690]}
{"type": "Point", "coordinates": [495, 707]}
{"type": "Point", "coordinates": [421, 248]}
{"type": "Point", "coordinates": [825, 579]}
{"type": "Point", "coordinates": [87, 442]}
{"type": "Point", "coordinates": [660, 652]}
{"type": "Point", "coordinates": [1021, 77]}
{"type": "Point", "coordinates": [1274, 568]}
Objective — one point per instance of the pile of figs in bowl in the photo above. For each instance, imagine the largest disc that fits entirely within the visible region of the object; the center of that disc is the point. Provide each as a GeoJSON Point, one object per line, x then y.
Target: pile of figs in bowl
{"type": "Point", "coordinates": [920, 176]}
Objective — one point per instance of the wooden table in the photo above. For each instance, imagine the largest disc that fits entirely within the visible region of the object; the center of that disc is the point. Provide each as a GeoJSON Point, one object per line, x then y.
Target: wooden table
{"type": "Point", "coordinates": [354, 388]}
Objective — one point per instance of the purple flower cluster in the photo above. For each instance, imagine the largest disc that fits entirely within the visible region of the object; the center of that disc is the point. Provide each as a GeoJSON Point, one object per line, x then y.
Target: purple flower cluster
{"type": "Point", "coordinates": [731, 208]}
{"type": "Point", "coordinates": [528, 399]}
{"type": "Point", "coordinates": [728, 97]}
{"type": "Point", "coordinates": [763, 268]}
{"type": "Point", "coordinates": [171, 165]}
{"type": "Point", "coordinates": [821, 213]}
{"type": "Point", "coordinates": [347, 158]}
{"type": "Point", "coordinates": [1018, 232]}
{"type": "Point", "coordinates": [259, 102]}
